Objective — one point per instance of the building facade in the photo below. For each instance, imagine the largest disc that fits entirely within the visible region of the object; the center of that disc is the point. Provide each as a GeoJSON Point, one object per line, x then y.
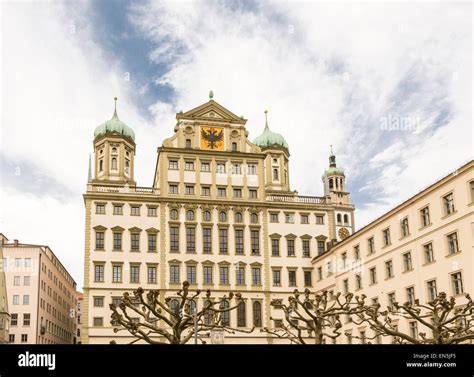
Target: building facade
{"type": "Point", "coordinates": [4, 314]}
{"type": "Point", "coordinates": [220, 214]}
{"type": "Point", "coordinates": [420, 248]}
{"type": "Point", "coordinates": [41, 295]}
{"type": "Point", "coordinates": [80, 299]}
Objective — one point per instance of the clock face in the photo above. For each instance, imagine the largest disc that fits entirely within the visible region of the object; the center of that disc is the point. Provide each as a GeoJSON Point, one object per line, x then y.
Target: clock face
{"type": "Point", "coordinates": [343, 233]}
{"type": "Point", "coordinates": [212, 138]}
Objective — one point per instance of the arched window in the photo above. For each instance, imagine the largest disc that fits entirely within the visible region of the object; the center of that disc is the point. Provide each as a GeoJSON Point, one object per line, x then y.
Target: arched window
{"type": "Point", "coordinates": [238, 217]}
{"type": "Point", "coordinates": [208, 313]}
{"type": "Point", "coordinates": [225, 316]}
{"type": "Point", "coordinates": [234, 147]}
{"type": "Point", "coordinates": [127, 154]}
{"type": "Point", "coordinates": [206, 216]}
{"type": "Point", "coordinates": [114, 164]}
{"type": "Point", "coordinates": [101, 151]}
{"type": "Point", "coordinates": [127, 167]}
{"type": "Point", "coordinates": [188, 143]}
{"type": "Point", "coordinates": [114, 150]}
{"type": "Point", "coordinates": [339, 221]}
{"type": "Point", "coordinates": [275, 174]}
{"type": "Point", "coordinates": [241, 319]}
{"type": "Point", "coordinates": [346, 219]}
{"type": "Point", "coordinates": [174, 214]}
{"type": "Point", "coordinates": [257, 314]}
{"type": "Point", "coordinates": [222, 216]}
{"type": "Point", "coordinates": [190, 215]}
{"type": "Point", "coordinates": [174, 306]}
{"type": "Point", "coordinates": [254, 218]}
{"type": "Point", "coordinates": [331, 184]}
{"type": "Point", "coordinates": [191, 307]}
{"type": "Point", "coordinates": [101, 165]}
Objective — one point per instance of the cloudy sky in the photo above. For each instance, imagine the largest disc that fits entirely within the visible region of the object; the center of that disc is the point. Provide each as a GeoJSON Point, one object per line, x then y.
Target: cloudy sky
{"type": "Point", "coordinates": [389, 85]}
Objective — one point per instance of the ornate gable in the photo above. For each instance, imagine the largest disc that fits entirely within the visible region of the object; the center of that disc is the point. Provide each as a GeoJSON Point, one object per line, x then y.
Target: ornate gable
{"type": "Point", "coordinates": [211, 111]}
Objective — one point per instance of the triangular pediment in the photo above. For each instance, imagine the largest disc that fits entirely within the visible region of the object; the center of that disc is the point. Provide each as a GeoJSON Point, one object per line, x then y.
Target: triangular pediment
{"type": "Point", "coordinates": [211, 111]}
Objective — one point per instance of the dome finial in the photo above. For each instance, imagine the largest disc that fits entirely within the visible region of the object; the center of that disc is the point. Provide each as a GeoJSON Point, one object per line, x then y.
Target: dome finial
{"type": "Point", "coordinates": [211, 94]}
{"type": "Point", "coordinates": [115, 109]}
{"type": "Point", "coordinates": [266, 119]}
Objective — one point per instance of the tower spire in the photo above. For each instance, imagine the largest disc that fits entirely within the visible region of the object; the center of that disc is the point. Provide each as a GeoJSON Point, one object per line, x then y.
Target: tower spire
{"type": "Point", "coordinates": [332, 158]}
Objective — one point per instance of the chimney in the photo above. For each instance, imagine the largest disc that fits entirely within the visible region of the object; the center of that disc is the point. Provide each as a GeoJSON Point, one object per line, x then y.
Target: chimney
{"type": "Point", "coordinates": [15, 243]}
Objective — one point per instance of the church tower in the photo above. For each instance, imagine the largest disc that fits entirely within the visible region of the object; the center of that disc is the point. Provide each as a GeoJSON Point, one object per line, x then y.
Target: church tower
{"type": "Point", "coordinates": [334, 182]}
{"type": "Point", "coordinates": [114, 149]}
{"type": "Point", "coordinates": [277, 159]}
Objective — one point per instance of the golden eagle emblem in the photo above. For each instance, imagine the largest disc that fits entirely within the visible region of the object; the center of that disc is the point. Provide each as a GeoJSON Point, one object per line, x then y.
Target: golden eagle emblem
{"type": "Point", "coordinates": [212, 138]}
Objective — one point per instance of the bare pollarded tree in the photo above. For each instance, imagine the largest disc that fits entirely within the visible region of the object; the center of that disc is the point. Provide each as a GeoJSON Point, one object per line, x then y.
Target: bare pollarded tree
{"type": "Point", "coordinates": [446, 322]}
{"type": "Point", "coordinates": [310, 317]}
{"type": "Point", "coordinates": [173, 320]}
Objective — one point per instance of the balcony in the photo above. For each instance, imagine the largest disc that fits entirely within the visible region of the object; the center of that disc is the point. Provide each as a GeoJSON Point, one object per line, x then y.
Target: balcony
{"type": "Point", "coordinates": [123, 189]}
{"type": "Point", "coordinates": [296, 199]}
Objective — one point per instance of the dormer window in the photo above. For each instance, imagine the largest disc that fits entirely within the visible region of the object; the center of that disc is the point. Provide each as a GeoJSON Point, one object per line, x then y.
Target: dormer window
{"type": "Point", "coordinates": [114, 164]}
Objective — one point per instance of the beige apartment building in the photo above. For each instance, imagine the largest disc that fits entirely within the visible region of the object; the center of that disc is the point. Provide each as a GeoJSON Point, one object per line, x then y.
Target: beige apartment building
{"type": "Point", "coordinates": [420, 248]}
{"type": "Point", "coordinates": [4, 315]}
{"type": "Point", "coordinates": [220, 214]}
{"type": "Point", "coordinates": [41, 295]}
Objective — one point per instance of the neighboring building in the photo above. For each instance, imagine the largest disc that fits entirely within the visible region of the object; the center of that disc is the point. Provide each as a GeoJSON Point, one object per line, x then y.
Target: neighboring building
{"type": "Point", "coordinates": [4, 315]}
{"type": "Point", "coordinates": [41, 295]}
{"type": "Point", "coordinates": [416, 250]}
{"type": "Point", "coordinates": [80, 299]}
{"type": "Point", "coordinates": [220, 214]}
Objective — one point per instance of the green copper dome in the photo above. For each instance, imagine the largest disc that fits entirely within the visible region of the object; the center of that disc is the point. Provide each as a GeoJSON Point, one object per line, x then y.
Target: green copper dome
{"type": "Point", "coordinates": [269, 138]}
{"type": "Point", "coordinates": [114, 125]}
{"type": "Point", "coordinates": [333, 169]}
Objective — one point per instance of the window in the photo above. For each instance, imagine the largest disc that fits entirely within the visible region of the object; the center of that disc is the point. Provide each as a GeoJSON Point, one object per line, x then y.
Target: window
{"type": "Point", "coordinates": [190, 239]}
{"type": "Point", "coordinates": [407, 263]}
{"type": "Point", "coordinates": [189, 190]}
{"type": "Point", "coordinates": [117, 274]}
{"type": "Point", "coordinates": [221, 192]}
{"type": "Point", "coordinates": [152, 275]}
{"type": "Point", "coordinates": [26, 281]}
{"type": "Point", "coordinates": [234, 147]}
{"type": "Point", "coordinates": [16, 280]}
{"type": "Point", "coordinates": [134, 274]}
{"type": "Point", "coordinates": [320, 273]}
{"type": "Point", "coordinates": [256, 276]}
{"type": "Point", "coordinates": [456, 281]}
{"type": "Point", "coordinates": [26, 299]}
{"type": "Point", "coordinates": [207, 240]}
{"type": "Point", "coordinates": [100, 209]}
{"type": "Point", "coordinates": [189, 165]}
{"type": "Point", "coordinates": [188, 143]}
{"type": "Point", "coordinates": [117, 241]}
{"type": "Point", "coordinates": [275, 247]}
{"type": "Point", "coordinates": [207, 270]}
{"type": "Point", "coordinates": [276, 278]}
{"type": "Point", "coordinates": [257, 314]}
{"type": "Point", "coordinates": [304, 219]}
{"type": "Point", "coordinates": [356, 252]}
{"type": "Point", "coordinates": [98, 301]}
{"type": "Point", "coordinates": [173, 189]}
{"type": "Point", "coordinates": [308, 281]}
{"type": "Point", "coordinates": [275, 174]}
{"type": "Point", "coordinates": [101, 165]}
{"type": "Point", "coordinates": [290, 246]}
{"type": "Point", "coordinates": [448, 203]}
{"type": "Point", "coordinates": [241, 320]}
{"type": "Point", "coordinates": [255, 241]}
{"type": "Point", "coordinates": [238, 217]}
{"type": "Point", "coordinates": [152, 212]}
{"type": "Point", "coordinates": [389, 269]}
{"type": "Point", "coordinates": [114, 164]}
{"type": "Point", "coordinates": [346, 220]}
{"type": "Point", "coordinates": [428, 252]}
{"type": "Point", "coordinates": [292, 278]}
{"type": "Point", "coordinates": [453, 246]}
{"type": "Point", "coordinates": [222, 216]}
{"type": "Point", "coordinates": [373, 275]}
{"type": "Point", "coordinates": [190, 215]}
{"type": "Point", "coordinates": [24, 338]}
{"type": "Point", "coordinates": [135, 211]}
{"type": "Point", "coordinates": [425, 216]}
{"type": "Point", "coordinates": [413, 329]}
{"type": "Point", "coordinates": [17, 262]}
{"type": "Point", "coordinates": [358, 281]}
{"type": "Point", "coordinates": [339, 219]}
{"type": "Point", "coordinates": [135, 241]}
{"type": "Point", "coordinates": [404, 227]}
{"type": "Point", "coordinates": [14, 319]}
{"type": "Point", "coordinates": [174, 214]}
{"type": "Point", "coordinates": [98, 321]}
{"type": "Point", "coordinates": [11, 338]}
{"type": "Point", "coordinates": [237, 192]}
{"type": "Point", "coordinates": [173, 165]}
{"type": "Point", "coordinates": [223, 241]}
{"type": "Point", "coordinates": [252, 169]}
{"type": "Point", "coordinates": [225, 315]}
{"type": "Point", "coordinates": [99, 273]}
{"type": "Point", "coordinates": [191, 274]}
{"type": "Point", "coordinates": [205, 191]}
{"type": "Point", "coordinates": [321, 247]}
{"type": "Point", "coordinates": [254, 218]}
{"type": "Point", "coordinates": [371, 245]}
{"type": "Point", "coordinates": [27, 262]}
{"type": "Point", "coordinates": [344, 259]}
{"type": "Point", "coordinates": [205, 166]}
{"type": "Point", "coordinates": [345, 286]}
{"type": "Point", "coordinates": [236, 169]}
{"type": "Point", "coordinates": [386, 237]}
{"type": "Point", "coordinates": [174, 274]}
{"type": "Point", "coordinates": [224, 275]}
{"type": "Point", "coordinates": [206, 216]}
{"type": "Point", "coordinates": [239, 241]}
{"type": "Point", "coordinates": [471, 185]}
{"type": "Point", "coordinates": [240, 275]}
{"type": "Point", "coordinates": [432, 289]}
{"type": "Point", "coordinates": [174, 306]}
{"type": "Point", "coordinates": [221, 168]}
{"type": "Point", "coordinates": [362, 337]}
{"type": "Point", "coordinates": [391, 300]}
{"type": "Point", "coordinates": [411, 295]}
{"type": "Point", "coordinates": [118, 209]}
{"type": "Point", "coordinates": [319, 219]}
{"type": "Point", "coordinates": [174, 239]}
{"type": "Point", "coordinates": [274, 217]}
{"type": "Point", "coordinates": [289, 218]}
{"type": "Point", "coordinates": [306, 250]}
{"type": "Point", "coordinates": [253, 194]}
{"type": "Point", "coordinates": [151, 242]}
